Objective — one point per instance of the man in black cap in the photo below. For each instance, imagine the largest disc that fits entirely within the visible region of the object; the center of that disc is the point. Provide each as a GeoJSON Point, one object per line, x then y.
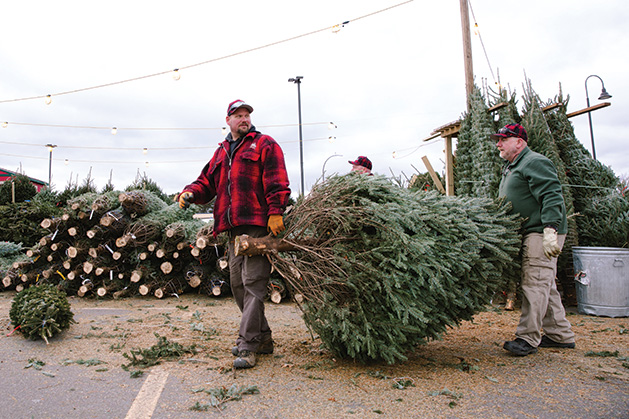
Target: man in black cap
{"type": "Point", "coordinates": [530, 183]}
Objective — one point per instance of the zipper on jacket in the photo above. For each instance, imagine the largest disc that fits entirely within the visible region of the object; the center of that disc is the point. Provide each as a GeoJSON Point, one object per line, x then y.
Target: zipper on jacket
{"type": "Point", "coordinates": [229, 178]}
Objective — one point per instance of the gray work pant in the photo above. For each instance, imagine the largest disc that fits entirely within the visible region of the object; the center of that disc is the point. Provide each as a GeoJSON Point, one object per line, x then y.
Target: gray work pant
{"type": "Point", "coordinates": [249, 277]}
{"type": "Point", "coordinates": [541, 302]}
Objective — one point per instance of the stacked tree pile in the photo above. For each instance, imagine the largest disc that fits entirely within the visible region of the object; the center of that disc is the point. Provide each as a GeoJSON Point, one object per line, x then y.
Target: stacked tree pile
{"type": "Point", "coordinates": [118, 244]}
{"type": "Point", "coordinates": [379, 269]}
{"type": "Point", "coordinates": [597, 211]}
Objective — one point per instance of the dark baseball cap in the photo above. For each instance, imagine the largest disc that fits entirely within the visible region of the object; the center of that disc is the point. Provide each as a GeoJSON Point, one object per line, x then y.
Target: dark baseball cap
{"type": "Point", "coordinates": [237, 104]}
{"type": "Point", "coordinates": [511, 130]}
{"type": "Point", "coordinates": [361, 161]}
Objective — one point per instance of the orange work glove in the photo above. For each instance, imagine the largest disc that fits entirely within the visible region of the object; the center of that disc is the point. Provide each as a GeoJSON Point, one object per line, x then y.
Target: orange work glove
{"type": "Point", "coordinates": [184, 199]}
{"type": "Point", "coordinates": [275, 224]}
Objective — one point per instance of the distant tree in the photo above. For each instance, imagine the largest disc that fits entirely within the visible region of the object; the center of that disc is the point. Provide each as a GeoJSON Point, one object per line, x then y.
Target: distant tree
{"type": "Point", "coordinates": [144, 182]}
{"type": "Point", "coordinates": [24, 189]}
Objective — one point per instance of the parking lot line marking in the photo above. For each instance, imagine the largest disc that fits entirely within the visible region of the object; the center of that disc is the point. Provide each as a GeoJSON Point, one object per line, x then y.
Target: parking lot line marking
{"type": "Point", "coordinates": [146, 400]}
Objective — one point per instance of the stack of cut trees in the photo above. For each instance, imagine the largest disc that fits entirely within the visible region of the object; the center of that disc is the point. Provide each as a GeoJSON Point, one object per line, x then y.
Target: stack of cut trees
{"type": "Point", "coordinates": [120, 244]}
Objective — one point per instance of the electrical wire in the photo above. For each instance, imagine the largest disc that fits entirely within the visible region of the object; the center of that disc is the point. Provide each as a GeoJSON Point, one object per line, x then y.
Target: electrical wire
{"type": "Point", "coordinates": [208, 147]}
{"type": "Point", "coordinates": [203, 62]}
{"type": "Point", "coordinates": [481, 42]}
{"type": "Point", "coordinates": [8, 123]}
{"type": "Point", "coordinates": [412, 148]}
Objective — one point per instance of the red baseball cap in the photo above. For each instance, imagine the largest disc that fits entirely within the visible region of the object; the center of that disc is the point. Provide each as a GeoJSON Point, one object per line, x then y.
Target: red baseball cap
{"type": "Point", "coordinates": [361, 161]}
{"type": "Point", "coordinates": [511, 130]}
{"type": "Point", "coordinates": [237, 104]}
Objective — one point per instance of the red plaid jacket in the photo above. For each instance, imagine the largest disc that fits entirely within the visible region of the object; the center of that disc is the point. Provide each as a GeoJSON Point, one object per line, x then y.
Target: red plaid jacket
{"type": "Point", "coordinates": [249, 187]}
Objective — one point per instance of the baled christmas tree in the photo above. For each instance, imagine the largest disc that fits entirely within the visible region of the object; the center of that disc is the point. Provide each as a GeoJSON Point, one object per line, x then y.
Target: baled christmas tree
{"type": "Point", "coordinates": [382, 269]}
{"type": "Point", "coordinates": [41, 311]}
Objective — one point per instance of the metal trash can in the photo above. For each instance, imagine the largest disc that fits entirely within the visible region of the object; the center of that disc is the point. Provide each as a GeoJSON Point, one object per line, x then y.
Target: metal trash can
{"type": "Point", "coordinates": [602, 280]}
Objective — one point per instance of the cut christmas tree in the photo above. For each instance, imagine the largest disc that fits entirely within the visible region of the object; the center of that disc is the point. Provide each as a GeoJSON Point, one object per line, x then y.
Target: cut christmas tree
{"type": "Point", "coordinates": [379, 269]}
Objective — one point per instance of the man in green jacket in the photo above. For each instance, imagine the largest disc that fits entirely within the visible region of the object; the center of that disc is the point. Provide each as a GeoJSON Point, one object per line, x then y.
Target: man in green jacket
{"type": "Point", "coordinates": [530, 183]}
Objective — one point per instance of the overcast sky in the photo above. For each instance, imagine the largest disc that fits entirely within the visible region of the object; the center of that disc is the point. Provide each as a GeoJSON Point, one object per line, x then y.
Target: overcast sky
{"type": "Point", "coordinates": [386, 80]}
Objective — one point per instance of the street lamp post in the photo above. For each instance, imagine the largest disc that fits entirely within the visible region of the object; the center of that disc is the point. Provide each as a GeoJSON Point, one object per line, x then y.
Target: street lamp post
{"type": "Point", "coordinates": [50, 148]}
{"type": "Point", "coordinates": [604, 95]}
{"type": "Point", "coordinates": [297, 81]}
{"type": "Point", "coordinates": [326, 160]}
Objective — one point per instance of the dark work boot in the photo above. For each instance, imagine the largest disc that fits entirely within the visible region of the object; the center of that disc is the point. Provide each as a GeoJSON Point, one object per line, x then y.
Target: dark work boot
{"type": "Point", "coordinates": [519, 347]}
{"type": "Point", "coordinates": [549, 343]}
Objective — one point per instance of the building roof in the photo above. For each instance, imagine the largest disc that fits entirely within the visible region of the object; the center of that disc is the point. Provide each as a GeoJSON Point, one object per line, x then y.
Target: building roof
{"type": "Point", "coordinates": [9, 173]}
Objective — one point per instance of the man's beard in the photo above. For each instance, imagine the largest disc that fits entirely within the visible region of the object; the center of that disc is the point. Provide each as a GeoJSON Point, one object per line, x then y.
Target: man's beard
{"type": "Point", "coordinates": [243, 129]}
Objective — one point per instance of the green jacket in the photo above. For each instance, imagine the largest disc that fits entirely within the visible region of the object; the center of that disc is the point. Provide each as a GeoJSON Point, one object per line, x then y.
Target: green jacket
{"type": "Point", "coordinates": [530, 183]}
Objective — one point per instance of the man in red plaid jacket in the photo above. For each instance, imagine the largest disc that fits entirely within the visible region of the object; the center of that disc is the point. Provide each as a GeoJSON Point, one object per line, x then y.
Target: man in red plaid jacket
{"type": "Point", "coordinates": [248, 177]}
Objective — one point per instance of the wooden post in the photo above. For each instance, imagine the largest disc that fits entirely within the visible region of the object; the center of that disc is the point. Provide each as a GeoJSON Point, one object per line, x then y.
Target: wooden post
{"type": "Point", "coordinates": [449, 167]}
{"type": "Point", "coordinates": [433, 175]}
{"type": "Point", "coordinates": [467, 51]}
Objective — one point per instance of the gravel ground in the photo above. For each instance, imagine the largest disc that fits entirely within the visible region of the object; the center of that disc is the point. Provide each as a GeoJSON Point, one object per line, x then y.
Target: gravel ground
{"type": "Point", "coordinates": [466, 374]}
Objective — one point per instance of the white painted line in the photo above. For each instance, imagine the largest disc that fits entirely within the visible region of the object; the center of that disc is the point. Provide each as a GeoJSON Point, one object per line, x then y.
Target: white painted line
{"type": "Point", "coordinates": [146, 400]}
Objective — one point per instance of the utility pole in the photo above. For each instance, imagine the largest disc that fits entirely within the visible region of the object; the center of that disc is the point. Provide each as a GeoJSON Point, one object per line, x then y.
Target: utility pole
{"type": "Point", "coordinates": [297, 81]}
{"type": "Point", "coordinates": [467, 51]}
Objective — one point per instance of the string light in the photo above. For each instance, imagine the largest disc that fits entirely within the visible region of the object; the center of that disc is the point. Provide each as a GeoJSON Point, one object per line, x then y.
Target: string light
{"type": "Point", "coordinates": [223, 129]}
{"type": "Point", "coordinates": [219, 58]}
{"type": "Point", "coordinates": [66, 162]}
{"type": "Point", "coordinates": [146, 164]}
{"type": "Point", "coordinates": [480, 38]}
{"type": "Point", "coordinates": [331, 125]}
{"type": "Point", "coordinates": [145, 150]}
{"type": "Point", "coordinates": [5, 124]}
{"type": "Point", "coordinates": [176, 74]}
{"type": "Point", "coordinates": [48, 99]}
{"type": "Point", "coordinates": [337, 28]}
{"type": "Point", "coordinates": [114, 131]}
{"type": "Point", "coordinates": [331, 139]}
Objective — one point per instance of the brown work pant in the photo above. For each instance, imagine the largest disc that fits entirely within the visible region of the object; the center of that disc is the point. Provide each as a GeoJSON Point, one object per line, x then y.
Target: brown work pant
{"type": "Point", "coordinates": [541, 302]}
{"type": "Point", "coordinates": [249, 277]}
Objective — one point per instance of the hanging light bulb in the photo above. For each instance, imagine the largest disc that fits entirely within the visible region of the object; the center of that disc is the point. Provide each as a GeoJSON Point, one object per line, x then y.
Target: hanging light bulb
{"type": "Point", "coordinates": [394, 154]}
{"type": "Point", "coordinates": [66, 162]}
{"type": "Point", "coordinates": [224, 130]}
{"type": "Point", "coordinates": [475, 28]}
{"type": "Point", "coordinates": [145, 150]}
{"type": "Point", "coordinates": [48, 99]}
{"type": "Point", "coordinates": [146, 164]}
{"type": "Point", "coordinates": [176, 74]}
{"type": "Point", "coordinates": [114, 131]}
{"type": "Point", "coordinates": [5, 124]}
{"type": "Point", "coordinates": [331, 125]}
{"type": "Point", "coordinates": [331, 139]}
{"type": "Point", "coordinates": [337, 28]}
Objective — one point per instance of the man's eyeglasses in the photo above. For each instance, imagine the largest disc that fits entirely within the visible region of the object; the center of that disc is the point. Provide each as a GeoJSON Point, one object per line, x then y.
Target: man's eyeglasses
{"type": "Point", "coordinates": [505, 130]}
